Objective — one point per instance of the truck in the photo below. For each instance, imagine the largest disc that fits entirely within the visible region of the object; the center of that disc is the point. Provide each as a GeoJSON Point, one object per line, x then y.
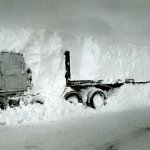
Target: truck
{"type": "Point", "coordinates": [79, 89]}
{"type": "Point", "coordinates": [15, 78]}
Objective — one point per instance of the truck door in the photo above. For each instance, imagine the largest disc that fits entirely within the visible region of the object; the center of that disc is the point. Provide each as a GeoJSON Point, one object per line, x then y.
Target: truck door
{"type": "Point", "coordinates": [15, 77]}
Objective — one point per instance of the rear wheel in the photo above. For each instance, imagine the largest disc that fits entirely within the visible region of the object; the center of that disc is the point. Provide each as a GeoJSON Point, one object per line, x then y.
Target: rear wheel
{"type": "Point", "coordinates": [73, 97]}
{"type": "Point", "coordinates": [96, 98]}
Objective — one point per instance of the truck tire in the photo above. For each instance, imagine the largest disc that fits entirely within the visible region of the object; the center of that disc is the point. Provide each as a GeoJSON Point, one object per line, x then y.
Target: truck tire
{"type": "Point", "coordinates": [13, 103]}
{"type": "Point", "coordinates": [99, 102]}
{"type": "Point", "coordinates": [2, 104]}
{"type": "Point", "coordinates": [73, 94]}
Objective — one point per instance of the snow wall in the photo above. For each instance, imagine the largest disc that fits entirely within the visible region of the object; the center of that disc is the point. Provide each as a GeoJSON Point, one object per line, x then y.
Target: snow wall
{"type": "Point", "coordinates": [91, 58]}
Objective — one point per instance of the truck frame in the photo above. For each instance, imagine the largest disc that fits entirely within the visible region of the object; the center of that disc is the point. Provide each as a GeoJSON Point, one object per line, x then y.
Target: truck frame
{"type": "Point", "coordinates": [74, 88]}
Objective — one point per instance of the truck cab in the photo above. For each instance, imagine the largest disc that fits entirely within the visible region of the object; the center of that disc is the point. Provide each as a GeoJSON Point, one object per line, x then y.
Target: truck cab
{"type": "Point", "coordinates": [13, 76]}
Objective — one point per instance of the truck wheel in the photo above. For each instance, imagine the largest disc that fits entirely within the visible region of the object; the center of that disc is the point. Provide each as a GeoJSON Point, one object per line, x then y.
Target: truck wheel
{"type": "Point", "coordinates": [2, 104]}
{"type": "Point", "coordinates": [73, 97]}
{"type": "Point", "coordinates": [13, 103]}
{"type": "Point", "coordinates": [96, 98]}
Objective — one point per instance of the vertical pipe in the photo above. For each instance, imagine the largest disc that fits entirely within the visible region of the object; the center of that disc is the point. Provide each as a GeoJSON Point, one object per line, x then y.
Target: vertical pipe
{"type": "Point", "coordinates": [67, 66]}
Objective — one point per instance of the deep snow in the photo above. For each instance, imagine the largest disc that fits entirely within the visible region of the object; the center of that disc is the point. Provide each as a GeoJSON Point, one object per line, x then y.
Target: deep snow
{"type": "Point", "coordinates": [43, 51]}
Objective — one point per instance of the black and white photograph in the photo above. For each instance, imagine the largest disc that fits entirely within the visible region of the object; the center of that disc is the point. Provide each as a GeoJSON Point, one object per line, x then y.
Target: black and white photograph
{"type": "Point", "coordinates": [74, 74]}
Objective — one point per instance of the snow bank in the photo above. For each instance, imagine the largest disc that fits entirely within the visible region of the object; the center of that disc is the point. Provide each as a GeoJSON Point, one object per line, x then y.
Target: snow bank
{"type": "Point", "coordinates": [43, 51]}
{"type": "Point", "coordinates": [128, 97]}
{"type": "Point", "coordinates": [110, 61]}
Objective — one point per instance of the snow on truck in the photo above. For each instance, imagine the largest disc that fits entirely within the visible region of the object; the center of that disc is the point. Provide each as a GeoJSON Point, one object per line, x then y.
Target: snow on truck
{"type": "Point", "coordinates": [89, 92]}
{"type": "Point", "coordinates": [15, 78]}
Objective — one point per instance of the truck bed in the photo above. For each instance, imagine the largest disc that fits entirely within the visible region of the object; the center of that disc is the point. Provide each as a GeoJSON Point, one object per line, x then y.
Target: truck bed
{"type": "Point", "coordinates": [100, 84]}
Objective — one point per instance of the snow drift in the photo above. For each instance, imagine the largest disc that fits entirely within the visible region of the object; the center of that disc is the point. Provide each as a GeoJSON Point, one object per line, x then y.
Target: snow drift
{"type": "Point", "coordinates": [43, 51]}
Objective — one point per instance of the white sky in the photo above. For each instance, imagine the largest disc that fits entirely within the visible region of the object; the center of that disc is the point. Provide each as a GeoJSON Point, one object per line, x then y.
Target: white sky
{"type": "Point", "coordinates": [117, 19]}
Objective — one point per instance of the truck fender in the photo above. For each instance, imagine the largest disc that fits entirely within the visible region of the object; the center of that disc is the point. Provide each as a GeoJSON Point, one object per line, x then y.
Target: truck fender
{"type": "Point", "coordinates": [73, 93]}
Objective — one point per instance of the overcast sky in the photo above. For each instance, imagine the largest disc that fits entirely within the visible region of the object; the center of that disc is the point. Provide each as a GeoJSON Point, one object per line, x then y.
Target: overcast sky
{"type": "Point", "coordinates": [121, 19]}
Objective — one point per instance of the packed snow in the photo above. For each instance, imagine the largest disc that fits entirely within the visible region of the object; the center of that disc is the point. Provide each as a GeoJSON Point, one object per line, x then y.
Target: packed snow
{"type": "Point", "coordinates": [127, 130]}
{"type": "Point", "coordinates": [108, 60]}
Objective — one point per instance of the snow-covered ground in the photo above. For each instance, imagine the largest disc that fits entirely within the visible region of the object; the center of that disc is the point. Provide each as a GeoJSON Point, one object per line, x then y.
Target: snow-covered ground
{"type": "Point", "coordinates": [128, 130]}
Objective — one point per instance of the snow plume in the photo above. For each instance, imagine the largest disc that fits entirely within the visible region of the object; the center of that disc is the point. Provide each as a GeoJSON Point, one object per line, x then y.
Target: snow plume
{"type": "Point", "coordinates": [43, 51]}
